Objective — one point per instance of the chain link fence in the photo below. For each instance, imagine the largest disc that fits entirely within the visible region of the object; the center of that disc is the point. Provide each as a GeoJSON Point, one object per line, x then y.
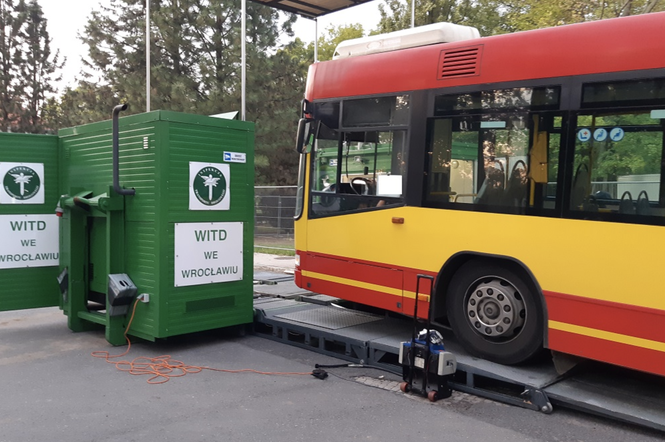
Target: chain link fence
{"type": "Point", "coordinates": [274, 208]}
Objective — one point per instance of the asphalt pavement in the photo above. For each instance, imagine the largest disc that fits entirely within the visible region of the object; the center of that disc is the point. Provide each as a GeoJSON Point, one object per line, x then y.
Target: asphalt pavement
{"type": "Point", "coordinates": [52, 389]}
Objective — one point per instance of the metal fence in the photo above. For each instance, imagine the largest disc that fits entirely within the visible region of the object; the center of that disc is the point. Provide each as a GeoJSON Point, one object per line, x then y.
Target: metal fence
{"type": "Point", "coordinates": [274, 208]}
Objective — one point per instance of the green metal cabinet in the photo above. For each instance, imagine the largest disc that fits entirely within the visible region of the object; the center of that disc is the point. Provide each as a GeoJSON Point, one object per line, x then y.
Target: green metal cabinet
{"type": "Point", "coordinates": [28, 225]}
{"type": "Point", "coordinates": [185, 238]}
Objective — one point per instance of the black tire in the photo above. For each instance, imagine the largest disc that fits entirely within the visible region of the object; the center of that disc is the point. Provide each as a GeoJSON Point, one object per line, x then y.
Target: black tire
{"type": "Point", "coordinates": [494, 314]}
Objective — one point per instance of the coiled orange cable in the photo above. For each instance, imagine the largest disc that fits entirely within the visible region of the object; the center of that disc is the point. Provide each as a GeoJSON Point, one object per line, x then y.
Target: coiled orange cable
{"type": "Point", "coordinates": [163, 368]}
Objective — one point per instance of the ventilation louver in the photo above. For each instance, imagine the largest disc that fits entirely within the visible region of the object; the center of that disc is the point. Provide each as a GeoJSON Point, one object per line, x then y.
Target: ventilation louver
{"type": "Point", "coordinates": [462, 62]}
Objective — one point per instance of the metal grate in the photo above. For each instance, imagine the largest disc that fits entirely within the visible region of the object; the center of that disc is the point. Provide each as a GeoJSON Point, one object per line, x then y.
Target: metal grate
{"type": "Point", "coordinates": [460, 62]}
{"type": "Point", "coordinates": [331, 318]}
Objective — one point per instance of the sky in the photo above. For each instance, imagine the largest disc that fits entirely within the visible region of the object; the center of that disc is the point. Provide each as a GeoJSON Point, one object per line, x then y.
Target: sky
{"type": "Point", "coordinates": [65, 23]}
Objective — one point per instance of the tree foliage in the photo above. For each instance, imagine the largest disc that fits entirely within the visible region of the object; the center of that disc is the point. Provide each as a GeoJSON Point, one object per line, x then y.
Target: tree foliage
{"type": "Point", "coordinates": [195, 52]}
{"type": "Point", "coordinates": [497, 17]}
{"type": "Point", "coordinates": [482, 14]}
{"type": "Point", "coordinates": [28, 68]}
{"type": "Point", "coordinates": [86, 103]}
{"type": "Point", "coordinates": [283, 81]}
{"type": "Point", "coordinates": [522, 15]}
{"type": "Point", "coordinates": [333, 36]}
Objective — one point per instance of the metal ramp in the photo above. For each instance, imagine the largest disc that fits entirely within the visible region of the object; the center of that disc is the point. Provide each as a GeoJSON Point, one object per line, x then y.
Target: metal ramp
{"type": "Point", "coordinates": [372, 339]}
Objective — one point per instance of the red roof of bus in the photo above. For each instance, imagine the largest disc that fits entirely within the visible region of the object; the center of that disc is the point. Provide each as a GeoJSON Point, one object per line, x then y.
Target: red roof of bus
{"type": "Point", "coordinates": [628, 43]}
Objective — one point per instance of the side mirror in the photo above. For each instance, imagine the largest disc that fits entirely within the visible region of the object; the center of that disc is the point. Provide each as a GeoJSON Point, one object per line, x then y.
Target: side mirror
{"type": "Point", "coordinates": [304, 134]}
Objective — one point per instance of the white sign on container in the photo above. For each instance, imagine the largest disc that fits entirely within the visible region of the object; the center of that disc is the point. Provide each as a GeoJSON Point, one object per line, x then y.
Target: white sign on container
{"type": "Point", "coordinates": [21, 183]}
{"type": "Point", "coordinates": [209, 186]}
{"type": "Point", "coordinates": [29, 241]}
{"type": "Point", "coordinates": [235, 157]}
{"type": "Point", "coordinates": [206, 253]}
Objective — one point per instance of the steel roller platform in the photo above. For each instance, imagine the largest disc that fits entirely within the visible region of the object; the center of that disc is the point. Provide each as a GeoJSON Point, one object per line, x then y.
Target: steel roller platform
{"type": "Point", "coordinates": [289, 314]}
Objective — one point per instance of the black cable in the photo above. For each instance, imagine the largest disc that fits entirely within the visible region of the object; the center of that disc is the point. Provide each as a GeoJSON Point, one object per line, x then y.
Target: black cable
{"type": "Point", "coordinates": [351, 365]}
{"type": "Point", "coordinates": [331, 366]}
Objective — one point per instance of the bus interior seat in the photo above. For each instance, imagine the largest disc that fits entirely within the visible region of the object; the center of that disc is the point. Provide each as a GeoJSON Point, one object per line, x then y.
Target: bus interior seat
{"type": "Point", "coordinates": [516, 189]}
{"type": "Point", "coordinates": [643, 207]}
{"type": "Point", "coordinates": [491, 191]}
{"type": "Point", "coordinates": [626, 205]}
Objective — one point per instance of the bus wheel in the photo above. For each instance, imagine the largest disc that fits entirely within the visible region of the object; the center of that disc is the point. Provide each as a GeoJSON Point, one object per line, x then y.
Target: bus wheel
{"type": "Point", "coordinates": [494, 314]}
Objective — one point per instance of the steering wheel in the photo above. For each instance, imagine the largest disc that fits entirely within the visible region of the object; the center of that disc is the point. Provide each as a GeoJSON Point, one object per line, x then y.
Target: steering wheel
{"type": "Point", "coordinates": [363, 182]}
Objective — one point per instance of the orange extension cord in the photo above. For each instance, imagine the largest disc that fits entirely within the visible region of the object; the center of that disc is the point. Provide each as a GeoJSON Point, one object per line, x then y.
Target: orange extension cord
{"type": "Point", "coordinates": [163, 368]}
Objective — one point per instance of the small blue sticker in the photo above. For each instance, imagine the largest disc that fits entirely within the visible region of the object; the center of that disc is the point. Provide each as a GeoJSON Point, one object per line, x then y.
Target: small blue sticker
{"type": "Point", "coordinates": [617, 134]}
{"type": "Point", "coordinates": [584, 135]}
{"type": "Point", "coordinates": [600, 134]}
{"type": "Point", "coordinates": [227, 156]}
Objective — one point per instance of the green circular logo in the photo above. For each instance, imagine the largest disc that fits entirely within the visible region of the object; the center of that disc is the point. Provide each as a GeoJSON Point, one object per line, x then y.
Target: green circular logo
{"type": "Point", "coordinates": [209, 186]}
{"type": "Point", "coordinates": [21, 182]}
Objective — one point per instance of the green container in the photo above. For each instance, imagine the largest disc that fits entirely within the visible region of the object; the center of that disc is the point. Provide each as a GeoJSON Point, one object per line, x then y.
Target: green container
{"type": "Point", "coordinates": [28, 225]}
{"type": "Point", "coordinates": [185, 238]}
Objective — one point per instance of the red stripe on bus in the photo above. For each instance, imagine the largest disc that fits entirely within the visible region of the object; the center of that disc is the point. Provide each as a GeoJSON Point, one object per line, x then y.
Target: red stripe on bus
{"type": "Point", "coordinates": [348, 269]}
{"type": "Point", "coordinates": [353, 294]}
{"type": "Point", "coordinates": [624, 319]}
{"type": "Point", "coordinates": [361, 295]}
{"type": "Point", "coordinates": [396, 277]}
{"type": "Point", "coordinates": [624, 355]}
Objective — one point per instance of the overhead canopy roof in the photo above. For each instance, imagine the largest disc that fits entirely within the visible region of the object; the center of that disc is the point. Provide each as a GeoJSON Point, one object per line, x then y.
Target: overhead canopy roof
{"type": "Point", "coordinates": [311, 8]}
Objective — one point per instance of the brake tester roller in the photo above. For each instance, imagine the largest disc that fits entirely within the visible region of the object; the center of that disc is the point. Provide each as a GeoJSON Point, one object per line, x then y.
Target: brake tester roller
{"type": "Point", "coordinates": [426, 365]}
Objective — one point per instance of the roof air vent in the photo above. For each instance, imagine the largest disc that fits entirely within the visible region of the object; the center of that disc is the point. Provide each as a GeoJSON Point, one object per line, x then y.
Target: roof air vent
{"type": "Point", "coordinates": [462, 62]}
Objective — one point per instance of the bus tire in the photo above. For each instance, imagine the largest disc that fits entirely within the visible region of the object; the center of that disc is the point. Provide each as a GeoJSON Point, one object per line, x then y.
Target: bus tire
{"type": "Point", "coordinates": [494, 314]}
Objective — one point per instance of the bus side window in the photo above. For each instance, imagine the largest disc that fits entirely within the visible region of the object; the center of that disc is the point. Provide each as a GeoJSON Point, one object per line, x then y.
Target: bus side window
{"type": "Point", "coordinates": [544, 159]}
{"type": "Point", "coordinates": [505, 144]}
{"type": "Point", "coordinates": [485, 144]}
{"type": "Point", "coordinates": [617, 163]}
{"type": "Point", "coordinates": [367, 171]}
{"type": "Point", "coordinates": [453, 157]}
{"type": "Point", "coordinates": [480, 161]}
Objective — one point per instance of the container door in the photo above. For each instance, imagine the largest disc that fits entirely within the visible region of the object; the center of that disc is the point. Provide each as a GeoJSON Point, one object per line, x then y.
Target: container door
{"type": "Point", "coordinates": [29, 251]}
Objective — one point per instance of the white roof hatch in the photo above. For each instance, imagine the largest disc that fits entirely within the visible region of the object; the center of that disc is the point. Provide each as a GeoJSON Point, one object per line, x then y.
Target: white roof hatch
{"type": "Point", "coordinates": [406, 38]}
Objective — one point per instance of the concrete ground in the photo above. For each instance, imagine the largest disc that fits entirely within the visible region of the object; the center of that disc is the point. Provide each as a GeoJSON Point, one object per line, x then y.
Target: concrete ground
{"type": "Point", "coordinates": [274, 263]}
{"type": "Point", "coordinates": [52, 389]}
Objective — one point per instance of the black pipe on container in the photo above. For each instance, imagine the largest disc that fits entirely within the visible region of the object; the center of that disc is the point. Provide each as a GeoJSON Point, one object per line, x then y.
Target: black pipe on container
{"type": "Point", "coordinates": [116, 153]}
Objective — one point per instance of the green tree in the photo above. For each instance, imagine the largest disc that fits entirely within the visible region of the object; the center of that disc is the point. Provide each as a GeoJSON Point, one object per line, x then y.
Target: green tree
{"type": "Point", "coordinates": [496, 17]}
{"type": "Point", "coordinates": [195, 68]}
{"type": "Point", "coordinates": [28, 68]}
{"type": "Point", "coordinates": [12, 20]}
{"type": "Point", "coordinates": [86, 103]}
{"type": "Point", "coordinates": [522, 15]}
{"type": "Point", "coordinates": [284, 81]}
{"type": "Point", "coordinates": [195, 50]}
{"type": "Point", "coordinates": [482, 14]}
{"type": "Point", "coordinates": [38, 70]}
{"type": "Point", "coordinates": [333, 36]}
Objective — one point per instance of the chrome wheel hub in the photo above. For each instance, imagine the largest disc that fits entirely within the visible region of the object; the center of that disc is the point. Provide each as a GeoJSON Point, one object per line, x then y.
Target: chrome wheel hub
{"type": "Point", "coordinates": [495, 308]}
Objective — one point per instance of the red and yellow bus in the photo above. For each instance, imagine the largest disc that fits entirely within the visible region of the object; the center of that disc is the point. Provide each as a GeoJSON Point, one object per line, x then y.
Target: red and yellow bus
{"type": "Point", "coordinates": [524, 172]}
